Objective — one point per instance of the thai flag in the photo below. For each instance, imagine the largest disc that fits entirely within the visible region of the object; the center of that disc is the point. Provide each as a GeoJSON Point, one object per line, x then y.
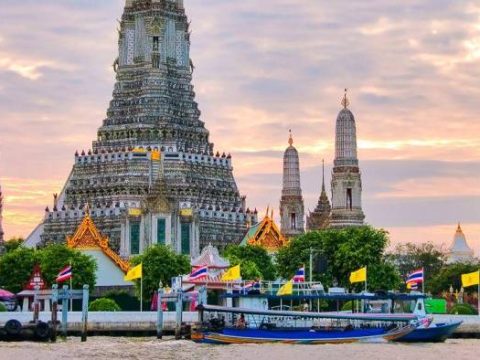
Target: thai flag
{"type": "Point", "coordinates": [415, 277]}
{"type": "Point", "coordinates": [299, 275]}
{"type": "Point", "coordinates": [199, 272]}
{"type": "Point", "coordinates": [65, 274]}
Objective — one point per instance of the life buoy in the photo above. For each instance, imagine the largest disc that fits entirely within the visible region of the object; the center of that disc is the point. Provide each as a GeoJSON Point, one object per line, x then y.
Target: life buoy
{"type": "Point", "coordinates": [13, 327]}
{"type": "Point", "coordinates": [42, 331]}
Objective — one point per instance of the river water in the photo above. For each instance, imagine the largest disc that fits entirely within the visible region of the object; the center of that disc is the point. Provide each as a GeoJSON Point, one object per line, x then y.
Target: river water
{"type": "Point", "coordinates": [113, 348]}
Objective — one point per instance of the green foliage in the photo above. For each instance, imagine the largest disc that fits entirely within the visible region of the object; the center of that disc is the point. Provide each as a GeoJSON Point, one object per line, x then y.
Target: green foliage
{"type": "Point", "coordinates": [124, 299]}
{"type": "Point", "coordinates": [344, 250]}
{"type": "Point", "coordinates": [17, 265]}
{"type": "Point", "coordinates": [13, 244]}
{"type": "Point", "coordinates": [450, 275]}
{"type": "Point", "coordinates": [55, 257]}
{"type": "Point", "coordinates": [254, 261]}
{"type": "Point", "coordinates": [160, 263]}
{"type": "Point", "coordinates": [16, 268]}
{"type": "Point", "coordinates": [3, 308]}
{"type": "Point", "coordinates": [347, 306]}
{"type": "Point", "coordinates": [410, 256]}
{"type": "Point", "coordinates": [104, 304]}
{"type": "Point", "coordinates": [463, 309]}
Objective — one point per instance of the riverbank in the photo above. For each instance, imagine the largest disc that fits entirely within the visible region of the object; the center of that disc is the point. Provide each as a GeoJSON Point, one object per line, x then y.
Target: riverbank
{"type": "Point", "coordinates": [144, 323]}
{"type": "Point", "coordinates": [151, 348]}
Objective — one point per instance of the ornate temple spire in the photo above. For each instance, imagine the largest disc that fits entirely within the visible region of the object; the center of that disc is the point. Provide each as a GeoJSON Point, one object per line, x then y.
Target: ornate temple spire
{"type": "Point", "coordinates": [346, 177]}
{"type": "Point", "coordinates": [323, 175]}
{"type": "Point", "coordinates": [345, 102]}
{"type": "Point", "coordinates": [319, 219]}
{"type": "Point", "coordinates": [291, 203]}
{"type": "Point", "coordinates": [459, 250]}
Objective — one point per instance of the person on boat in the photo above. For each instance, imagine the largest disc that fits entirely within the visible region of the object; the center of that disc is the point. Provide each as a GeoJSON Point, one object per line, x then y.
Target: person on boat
{"type": "Point", "coordinates": [241, 324]}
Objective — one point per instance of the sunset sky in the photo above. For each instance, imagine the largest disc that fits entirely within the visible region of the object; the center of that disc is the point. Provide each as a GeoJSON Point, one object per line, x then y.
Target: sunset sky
{"type": "Point", "coordinates": [263, 67]}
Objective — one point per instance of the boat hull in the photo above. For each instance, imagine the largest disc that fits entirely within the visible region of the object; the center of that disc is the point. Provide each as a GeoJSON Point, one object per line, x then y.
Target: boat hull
{"type": "Point", "coordinates": [437, 333]}
{"type": "Point", "coordinates": [304, 336]}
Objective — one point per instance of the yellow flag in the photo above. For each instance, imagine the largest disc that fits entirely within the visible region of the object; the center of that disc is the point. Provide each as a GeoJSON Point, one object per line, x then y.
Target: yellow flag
{"type": "Point", "coordinates": [359, 275]}
{"type": "Point", "coordinates": [471, 279]}
{"type": "Point", "coordinates": [134, 273]}
{"type": "Point", "coordinates": [232, 274]}
{"type": "Point", "coordinates": [286, 289]}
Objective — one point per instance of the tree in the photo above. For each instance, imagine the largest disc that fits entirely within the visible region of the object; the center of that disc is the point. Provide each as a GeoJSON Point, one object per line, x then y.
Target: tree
{"type": "Point", "coordinates": [160, 263]}
{"type": "Point", "coordinates": [54, 258]}
{"type": "Point", "coordinates": [343, 251]}
{"type": "Point", "coordinates": [254, 261]}
{"type": "Point", "coordinates": [13, 244]}
{"type": "Point", "coordinates": [17, 265]}
{"type": "Point", "coordinates": [410, 256]}
{"type": "Point", "coordinates": [450, 275]}
{"type": "Point", "coordinates": [16, 268]}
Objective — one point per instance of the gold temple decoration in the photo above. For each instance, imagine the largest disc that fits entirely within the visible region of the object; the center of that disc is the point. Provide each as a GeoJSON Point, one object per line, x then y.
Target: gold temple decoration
{"type": "Point", "coordinates": [290, 141]}
{"type": "Point", "coordinates": [266, 234]}
{"type": "Point", "coordinates": [87, 237]}
{"type": "Point", "coordinates": [345, 101]}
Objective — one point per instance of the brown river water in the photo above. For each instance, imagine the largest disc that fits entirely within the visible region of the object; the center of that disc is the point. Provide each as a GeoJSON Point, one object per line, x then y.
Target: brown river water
{"type": "Point", "coordinates": [150, 348]}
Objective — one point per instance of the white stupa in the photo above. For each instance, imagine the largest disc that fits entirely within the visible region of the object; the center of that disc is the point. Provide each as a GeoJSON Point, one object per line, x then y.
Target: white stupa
{"type": "Point", "coordinates": [459, 251]}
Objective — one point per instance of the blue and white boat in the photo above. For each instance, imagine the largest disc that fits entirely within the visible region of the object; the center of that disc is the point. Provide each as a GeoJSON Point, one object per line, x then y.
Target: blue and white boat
{"type": "Point", "coordinates": [217, 327]}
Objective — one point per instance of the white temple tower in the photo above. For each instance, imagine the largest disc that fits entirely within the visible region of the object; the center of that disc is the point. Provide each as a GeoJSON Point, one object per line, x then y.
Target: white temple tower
{"type": "Point", "coordinates": [291, 204]}
{"type": "Point", "coordinates": [346, 178]}
{"type": "Point", "coordinates": [459, 251]}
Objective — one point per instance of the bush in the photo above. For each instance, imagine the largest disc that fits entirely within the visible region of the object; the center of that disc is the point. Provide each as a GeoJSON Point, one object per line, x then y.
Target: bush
{"type": "Point", "coordinates": [463, 309]}
{"type": "Point", "coordinates": [3, 308]}
{"type": "Point", "coordinates": [104, 304]}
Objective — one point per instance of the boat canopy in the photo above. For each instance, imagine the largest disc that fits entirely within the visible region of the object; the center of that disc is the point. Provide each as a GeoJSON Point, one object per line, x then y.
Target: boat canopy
{"type": "Point", "coordinates": [312, 315]}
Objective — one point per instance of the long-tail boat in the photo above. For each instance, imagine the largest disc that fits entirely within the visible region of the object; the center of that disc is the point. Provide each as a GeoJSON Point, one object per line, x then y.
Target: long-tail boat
{"type": "Point", "coordinates": [220, 325]}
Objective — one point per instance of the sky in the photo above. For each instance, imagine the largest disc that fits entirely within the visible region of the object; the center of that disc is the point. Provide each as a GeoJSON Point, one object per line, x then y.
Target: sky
{"type": "Point", "coordinates": [412, 68]}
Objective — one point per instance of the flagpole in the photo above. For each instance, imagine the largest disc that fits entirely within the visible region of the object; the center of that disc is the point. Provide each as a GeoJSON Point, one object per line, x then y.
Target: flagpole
{"type": "Point", "coordinates": [366, 278]}
{"type": "Point", "coordinates": [71, 285]}
{"type": "Point", "coordinates": [423, 281]}
{"type": "Point", "coordinates": [141, 294]}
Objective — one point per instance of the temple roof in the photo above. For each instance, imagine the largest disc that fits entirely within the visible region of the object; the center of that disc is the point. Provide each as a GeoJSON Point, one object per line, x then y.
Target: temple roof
{"type": "Point", "coordinates": [211, 258]}
{"type": "Point", "coordinates": [87, 237]}
{"type": "Point", "coordinates": [265, 234]}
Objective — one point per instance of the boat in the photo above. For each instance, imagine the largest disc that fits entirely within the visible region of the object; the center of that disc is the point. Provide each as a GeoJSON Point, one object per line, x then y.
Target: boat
{"type": "Point", "coordinates": [438, 332]}
{"type": "Point", "coordinates": [383, 303]}
{"type": "Point", "coordinates": [269, 326]}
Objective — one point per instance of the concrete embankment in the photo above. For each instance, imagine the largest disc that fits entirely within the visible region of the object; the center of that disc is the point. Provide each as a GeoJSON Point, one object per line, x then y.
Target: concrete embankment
{"type": "Point", "coordinates": [145, 322]}
{"type": "Point", "coordinates": [109, 322]}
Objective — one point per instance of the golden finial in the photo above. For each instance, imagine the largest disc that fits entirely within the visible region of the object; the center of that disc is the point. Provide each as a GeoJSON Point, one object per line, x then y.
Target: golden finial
{"type": "Point", "coordinates": [290, 140]}
{"type": "Point", "coordinates": [345, 101]}
{"type": "Point", "coordinates": [459, 228]}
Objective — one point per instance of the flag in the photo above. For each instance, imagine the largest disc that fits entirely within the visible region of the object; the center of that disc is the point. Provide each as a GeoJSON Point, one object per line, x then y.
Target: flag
{"type": "Point", "coordinates": [286, 289]}
{"type": "Point", "coordinates": [65, 274]}
{"type": "Point", "coordinates": [412, 286]}
{"type": "Point", "coordinates": [299, 275]}
{"type": "Point", "coordinates": [199, 272]}
{"type": "Point", "coordinates": [134, 273]}
{"type": "Point", "coordinates": [415, 277]}
{"type": "Point", "coordinates": [471, 279]}
{"type": "Point", "coordinates": [359, 276]}
{"type": "Point", "coordinates": [232, 274]}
